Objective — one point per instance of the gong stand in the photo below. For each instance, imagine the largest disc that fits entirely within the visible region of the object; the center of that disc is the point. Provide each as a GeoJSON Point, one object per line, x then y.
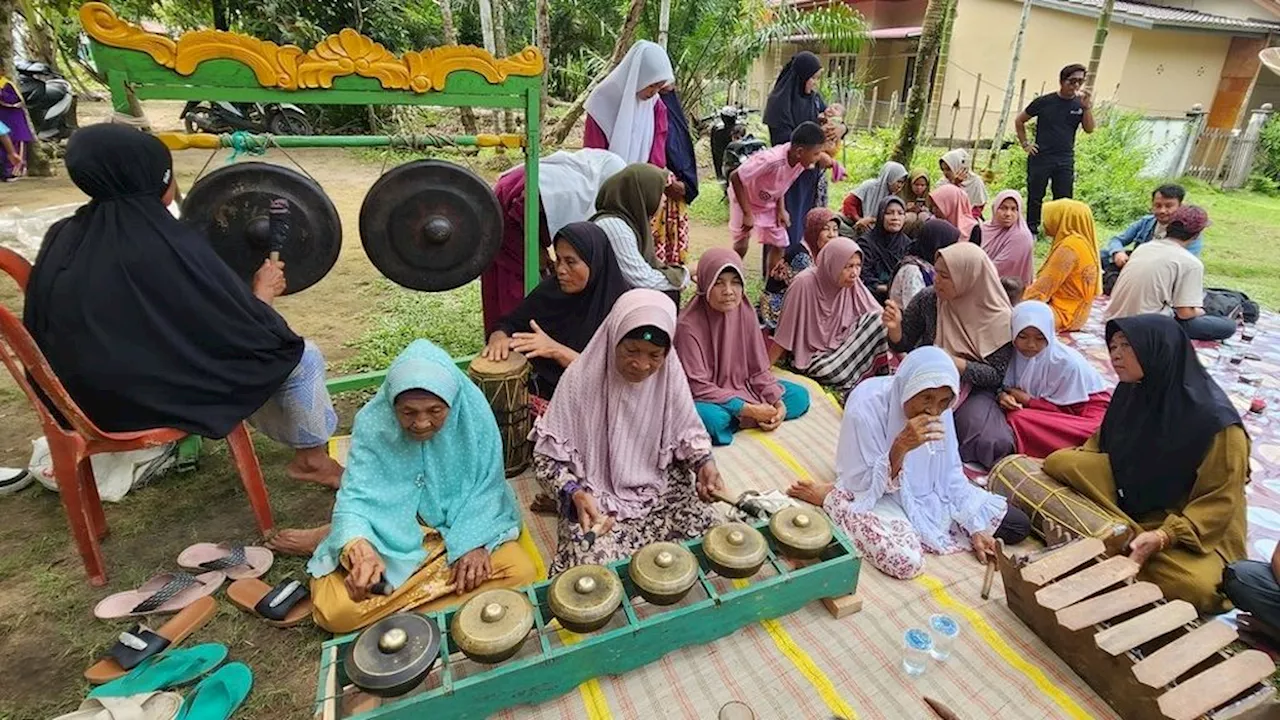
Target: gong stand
{"type": "Point", "coordinates": [547, 667]}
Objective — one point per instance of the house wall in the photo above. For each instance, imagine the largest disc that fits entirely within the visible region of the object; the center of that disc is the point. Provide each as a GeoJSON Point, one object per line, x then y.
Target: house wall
{"type": "Point", "coordinates": [1168, 71]}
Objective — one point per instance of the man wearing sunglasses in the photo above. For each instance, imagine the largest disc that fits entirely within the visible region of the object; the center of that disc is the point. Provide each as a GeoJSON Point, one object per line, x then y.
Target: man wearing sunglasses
{"type": "Point", "coordinates": [1051, 158]}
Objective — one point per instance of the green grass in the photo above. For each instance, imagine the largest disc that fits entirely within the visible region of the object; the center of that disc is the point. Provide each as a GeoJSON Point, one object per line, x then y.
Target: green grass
{"type": "Point", "coordinates": [451, 320]}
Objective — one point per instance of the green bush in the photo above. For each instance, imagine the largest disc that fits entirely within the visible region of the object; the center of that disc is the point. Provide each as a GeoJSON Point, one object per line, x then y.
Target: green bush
{"type": "Point", "coordinates": [1260, 183]}
{"type": "Point", "coordinates": [1267, 159]}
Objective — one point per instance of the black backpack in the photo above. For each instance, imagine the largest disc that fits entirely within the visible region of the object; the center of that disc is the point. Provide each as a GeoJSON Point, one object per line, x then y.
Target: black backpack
{"type": "Point", "coordinates": [1228, 303]}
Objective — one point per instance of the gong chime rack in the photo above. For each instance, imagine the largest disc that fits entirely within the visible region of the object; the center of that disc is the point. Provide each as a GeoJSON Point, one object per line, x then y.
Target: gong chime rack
{"type": "Point", "coordinates": [555, 661]}
{"type": "Point", "coordinates": [259, 143]}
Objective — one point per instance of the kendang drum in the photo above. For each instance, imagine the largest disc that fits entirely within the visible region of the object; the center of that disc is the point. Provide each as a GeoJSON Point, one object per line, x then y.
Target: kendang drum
{"type": "Point", "coordinates": [1058, 513]}
{"type": "Point", "coordinates": [506, 385]}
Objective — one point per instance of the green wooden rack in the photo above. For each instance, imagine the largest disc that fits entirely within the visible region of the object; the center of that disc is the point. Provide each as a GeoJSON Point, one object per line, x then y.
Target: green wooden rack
{"type": "Point", "coordinates": [553, 662]}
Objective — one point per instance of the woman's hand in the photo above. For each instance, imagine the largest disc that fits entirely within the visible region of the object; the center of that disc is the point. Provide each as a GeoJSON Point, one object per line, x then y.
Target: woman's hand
{"type": "Point", "coordinates": [364, 569]}
{"type": "Point", "coordinates": [1147, 544]}
{"type": "Point", "coordinates": [784, 217]}
{"type": "Point", "coordinates": [589, 514]}
{"type": "Point", "coordinates": [921, 429]}
{"type": "Point", "coordinates": [1019, 395]}
{"type": "Point", "coordinates": [536, 344]}
{"type": "Point", "coordinates": [471, 571]}
{"type": "Point", "coordinates": [675, 190]}
{"type": "Point", "coordinates": [780, 270]}
{"type": "Point", "coordinates": [891, 318]}
{"type": "Point", "coordinates": [1007, 401]}
{"type": "Point", "coordinates": [779, 413]}
{"type": "Point", "coordinates": [498, 347]}
{"type": "Point", "coordinates": [984, 546]}
{"type": "Point", "coordinates": [864, 224]}
{"type": "Point", "coordinates": [709, 481]}
{"type": "Point", "coordinates": [268, 281]}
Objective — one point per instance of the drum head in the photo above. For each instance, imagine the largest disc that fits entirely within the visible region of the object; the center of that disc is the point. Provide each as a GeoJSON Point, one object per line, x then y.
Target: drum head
{"type": "Point", "coordinates": [512, 366]}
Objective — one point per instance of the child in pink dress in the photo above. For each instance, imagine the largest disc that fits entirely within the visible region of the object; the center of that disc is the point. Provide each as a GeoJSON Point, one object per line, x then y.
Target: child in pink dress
{"type": "Point", "coordinates": [757, 190]}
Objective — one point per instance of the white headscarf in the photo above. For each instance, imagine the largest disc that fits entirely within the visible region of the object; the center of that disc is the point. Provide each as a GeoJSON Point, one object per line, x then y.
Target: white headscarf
{"type": "Point", "coordinates": [932, 488]}
{"type": "Point", "coordinates": [568, 183]}
{"type": "Point", "coordinates": [958, 161]}
{"type": "Point", "coordinates": [873, 192]}
{"type": "Point", "coordinates": [1059, 374]}
{"type": "Point", "coordinates": [626, 121]}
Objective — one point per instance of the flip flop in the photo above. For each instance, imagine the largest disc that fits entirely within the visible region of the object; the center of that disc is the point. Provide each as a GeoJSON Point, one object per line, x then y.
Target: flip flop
{"type": "Point", "coordinates": [285, 605]}
{"type": "Point", "coordinates": [237, 561]}
{"type": "Point", "coordinates": [127, 653]}
{"type": "Point", "coordinates": [148, 706]}
{"type": "Point", "coordinates": [218, 696]}
{"type": "Point", "coordinates": [162, 672]}
{"type": "Point", "coordinates": [164, 593]}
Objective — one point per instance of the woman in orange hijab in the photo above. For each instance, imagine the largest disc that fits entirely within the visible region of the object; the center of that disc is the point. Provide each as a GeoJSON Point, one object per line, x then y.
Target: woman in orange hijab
{"type": "Point", "coordinates": [1071, 277]}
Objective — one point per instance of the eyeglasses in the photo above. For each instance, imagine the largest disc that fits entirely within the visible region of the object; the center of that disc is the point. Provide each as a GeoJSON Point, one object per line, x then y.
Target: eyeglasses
{"type": "Point", "coordinates": [1075, 80]}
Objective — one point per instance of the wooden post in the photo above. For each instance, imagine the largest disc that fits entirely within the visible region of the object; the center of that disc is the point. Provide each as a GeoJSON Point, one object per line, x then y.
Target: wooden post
{"type": "Point", "coordinates": [982, 118]}
{"type": "Point", "coordinates": [1003, 123]}
{"type": "Point", "coordinates": [664, 22]}
{"type": "Point", "coordinates": [875, 97]}
{"type": "Point", "coordinates": [893, 108]}
{"type": "Point", "coordinates": [973, 110]}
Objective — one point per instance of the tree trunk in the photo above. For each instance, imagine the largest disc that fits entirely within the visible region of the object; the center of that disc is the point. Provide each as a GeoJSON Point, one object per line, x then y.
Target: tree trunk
{"type": "Point", "coordinates": [1009, 85]}
{"type": "Point", "coordinates": [500, 49]}
{"type": "Point", "coordinates": [1099, 41]}
{"type": "Point", "coordinates": [39, 39]}
{"type": "Point", "coordinates": [935, 18]}
{"type": "Point", "coordinates": [37, 160]}
{"type": "Point", "coordinates": [664, 23]}
{"type": "Point", "coordinates": [625, 37]}
{"type": "Point", "coordinates": [940, 72]}
{"type": "Point", "coordinates": [486, 32]}
{"type": "Point", "coordinates": [451, 38]}
{"type": "Point", "coordinates": [542, 24]}
{"type": "Point", "coordinates": [220, 19]}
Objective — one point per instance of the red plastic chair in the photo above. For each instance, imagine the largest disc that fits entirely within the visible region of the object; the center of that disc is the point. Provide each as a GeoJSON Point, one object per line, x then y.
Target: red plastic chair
{"type": "Point", "coordinates": [71, 449]}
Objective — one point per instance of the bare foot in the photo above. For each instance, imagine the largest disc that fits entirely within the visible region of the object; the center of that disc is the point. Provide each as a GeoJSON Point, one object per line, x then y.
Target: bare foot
{"type": "Point", "coordinates": [298, 542]}
{"type": "Point", "coordinates": [315, 465]}
{"type": "Point", "coordinates": [812, 493]}
{"type": "Point", "coordinates": [543, 504]}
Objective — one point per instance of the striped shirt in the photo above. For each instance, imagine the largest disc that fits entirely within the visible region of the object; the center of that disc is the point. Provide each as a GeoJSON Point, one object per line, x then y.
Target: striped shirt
{"type": "Point", "coordinates": [627, 249]}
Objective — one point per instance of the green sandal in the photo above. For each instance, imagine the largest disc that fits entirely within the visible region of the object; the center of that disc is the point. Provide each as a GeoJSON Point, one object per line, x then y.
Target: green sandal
{"type": "Point", "coordinates": [218, 696]}
{"type": "Point", "coordinates": [165, 671]}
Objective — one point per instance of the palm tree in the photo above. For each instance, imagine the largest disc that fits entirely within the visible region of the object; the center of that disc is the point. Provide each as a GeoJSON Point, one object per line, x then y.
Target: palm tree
{"type": "Point", "coordinates": [926, 55]}
{"type": "Point", "coordinates": [1099, 40]}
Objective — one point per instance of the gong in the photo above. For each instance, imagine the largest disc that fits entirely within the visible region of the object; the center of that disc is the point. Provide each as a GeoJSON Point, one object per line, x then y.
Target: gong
{"type": "Point", "coordinates": [232, 207]}
{"type": "Point", "coordinates": [431, 225]}
{"type": "Point", "coordinates": [392, 656]}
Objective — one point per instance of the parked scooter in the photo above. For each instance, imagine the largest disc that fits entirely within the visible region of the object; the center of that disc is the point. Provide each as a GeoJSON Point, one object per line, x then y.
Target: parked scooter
{"type": "Point", "coordinates": [225, 117]}
{"type": "Point", "coordinates": [730, 125]}
{"type": "Point", "coordinates": [49, 99]}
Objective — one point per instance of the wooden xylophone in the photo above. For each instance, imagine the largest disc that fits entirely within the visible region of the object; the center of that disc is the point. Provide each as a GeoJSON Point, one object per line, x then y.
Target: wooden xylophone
{"type": "Point", "coordinates": [1147, 657]}
{"type": "Point", "coordinates": [555, 661]}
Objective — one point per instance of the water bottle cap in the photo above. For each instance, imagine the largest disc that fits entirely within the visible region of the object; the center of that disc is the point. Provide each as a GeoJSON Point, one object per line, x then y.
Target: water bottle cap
{"type": "Point", "coordinates": [944, 625]}
{"type": "Point", "coordinates": [918, 639]}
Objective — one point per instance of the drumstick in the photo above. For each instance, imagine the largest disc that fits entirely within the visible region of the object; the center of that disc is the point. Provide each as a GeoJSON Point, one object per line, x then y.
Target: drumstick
{"type": "Point", "coordinates": [279, 225]}
{"type": "Point", "coordinates": [986, 581]}
{"type": "Point", "coordinates": [590, 535]}
{"type": "Point", "coordinates": [940, 710]}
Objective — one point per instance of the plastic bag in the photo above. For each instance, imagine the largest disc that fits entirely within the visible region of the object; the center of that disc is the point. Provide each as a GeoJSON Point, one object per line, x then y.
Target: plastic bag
{"type": "Point", "coordinates": [115, 473]}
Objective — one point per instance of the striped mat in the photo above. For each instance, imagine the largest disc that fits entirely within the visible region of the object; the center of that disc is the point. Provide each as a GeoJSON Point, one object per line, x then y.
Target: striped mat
{"type": "Point", "coordinates": [809, 665]}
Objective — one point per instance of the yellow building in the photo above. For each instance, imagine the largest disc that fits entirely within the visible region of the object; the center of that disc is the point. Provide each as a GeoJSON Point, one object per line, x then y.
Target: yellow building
{"type": "Point", "coordinates": [1159, 60]}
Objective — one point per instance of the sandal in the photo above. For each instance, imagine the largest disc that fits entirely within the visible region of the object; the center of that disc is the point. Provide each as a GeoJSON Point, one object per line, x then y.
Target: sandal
{"type": "Point", "coordinates": [285, 605]}
{"type": "Point", "coordinates": [140, 642]}
{"type": "Point", "coordinates": [164, 593]}
{"type": "Point", "coordinates": [237, 561]}
{"type": "Point", "coordinates": [166, 671]}
{"type": "Point", "coordinates": [148, 706]}
{"type": "Point", "coordinates": [218, 696]}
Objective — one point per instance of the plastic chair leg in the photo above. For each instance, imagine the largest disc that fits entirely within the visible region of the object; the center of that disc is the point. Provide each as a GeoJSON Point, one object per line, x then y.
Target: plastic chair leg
{"type": "Point", "coordinates": [92, 502]}
{"type": "Point", "coordinates": [70, 490]}
{"type": "Point", "coordinates": [250, 470]}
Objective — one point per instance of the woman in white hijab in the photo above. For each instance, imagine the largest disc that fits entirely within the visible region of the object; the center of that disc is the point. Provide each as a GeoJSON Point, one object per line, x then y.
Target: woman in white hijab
{"type": "Point", "coordinates": [1052, 397]}
{"type": "Point", "coordinates": [955, 167]}
{"type": "Point", "coordinates": [900, 489]}
{"type": "Point", "coordinates": [624, 114]}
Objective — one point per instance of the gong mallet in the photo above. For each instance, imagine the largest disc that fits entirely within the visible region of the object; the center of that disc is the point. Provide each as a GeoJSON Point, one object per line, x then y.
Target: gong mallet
{"type": "Point", "coordinates": [744, 502]}
{"type": "Point", "coordinates": [278, 225]}
{"type": "Point", "coordinates": [940, 710]}
{"type": "Point", "coordinates": [990, 576]}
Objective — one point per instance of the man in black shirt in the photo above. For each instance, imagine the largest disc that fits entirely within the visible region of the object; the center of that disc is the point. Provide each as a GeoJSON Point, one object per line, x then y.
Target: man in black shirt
{"type": "Point", "coordinates": [1052, 156]}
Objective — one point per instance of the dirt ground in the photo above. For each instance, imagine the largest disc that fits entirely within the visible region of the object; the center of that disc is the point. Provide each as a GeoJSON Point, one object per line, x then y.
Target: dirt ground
{"type": "Point", "coordinates": [48, 634]}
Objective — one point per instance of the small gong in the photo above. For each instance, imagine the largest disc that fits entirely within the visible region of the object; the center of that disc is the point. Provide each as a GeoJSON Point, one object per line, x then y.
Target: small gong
{"type": "Point", "coordinates": [232, 208]}
{"type": "Point", "coordinates": [492, 626]}
{"type": "Point", "coordinates": [431, 225]}
{"type": "Point", "coordinates": [663, 572]}
{"type": "Point", "coordinates": [584, 597]}
{"type": "Point", "coordinates": [735, 550]}
{"type": "Point", "coordinates": [801, 532]}
{"type": "Point", "coordinates": [392, 656]}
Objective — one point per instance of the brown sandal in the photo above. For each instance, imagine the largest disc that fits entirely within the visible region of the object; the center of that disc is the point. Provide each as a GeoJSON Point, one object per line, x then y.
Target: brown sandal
{"type": "Point", "coordinates": [139, 643]}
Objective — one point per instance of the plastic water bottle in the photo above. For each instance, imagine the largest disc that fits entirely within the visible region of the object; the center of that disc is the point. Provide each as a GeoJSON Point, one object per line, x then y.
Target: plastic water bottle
{"type": "Point", "coordinates": [916, 646]}
{"type": "Point", "coordinates": [943, 629]}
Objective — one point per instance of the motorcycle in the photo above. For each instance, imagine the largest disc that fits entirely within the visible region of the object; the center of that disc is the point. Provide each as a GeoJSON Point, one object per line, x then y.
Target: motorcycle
{"type": "Point", "coordinates": [731, 143]}
{"type": "Point", "coordinates": [49, 99]}
{"type": "Point", "coordinates": [224, 117]}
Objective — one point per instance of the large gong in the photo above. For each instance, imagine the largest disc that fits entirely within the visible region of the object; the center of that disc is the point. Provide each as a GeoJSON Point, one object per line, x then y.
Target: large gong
{"type": "Point", "coordinates": [431, 225]}
{"type": "Point", "coordinates": [233, 207]}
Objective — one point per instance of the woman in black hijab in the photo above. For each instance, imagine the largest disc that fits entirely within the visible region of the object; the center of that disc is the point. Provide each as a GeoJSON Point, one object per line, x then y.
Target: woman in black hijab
{"type": "Point", "coordinates": [556, 321]}
{"type": "Point", "coordinates": [794, 100]}
{"type": "Point", "coordinates": [1171, 460]}
{"type": "Point", "coordinates": [916, 272]}
{"type": "Point", "coordinates": [148, 328]}
{"type": "Point", "coordinates": [884, 246]}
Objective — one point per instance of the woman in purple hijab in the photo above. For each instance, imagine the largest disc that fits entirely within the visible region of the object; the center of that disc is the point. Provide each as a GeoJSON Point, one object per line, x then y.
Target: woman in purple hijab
{"type": "Point", "coordinates": [14, 117]}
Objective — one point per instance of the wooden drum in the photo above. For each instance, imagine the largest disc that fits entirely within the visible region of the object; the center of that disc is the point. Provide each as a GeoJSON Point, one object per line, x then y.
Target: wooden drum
{"type": "Point", "coordinates": [1058, 513]}
{"type": "Point", "coordinates": [506, 385]}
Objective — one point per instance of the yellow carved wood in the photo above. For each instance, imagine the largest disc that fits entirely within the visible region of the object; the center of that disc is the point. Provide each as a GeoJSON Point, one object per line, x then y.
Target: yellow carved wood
{"type": "Point", "coordinates": [287, 67]}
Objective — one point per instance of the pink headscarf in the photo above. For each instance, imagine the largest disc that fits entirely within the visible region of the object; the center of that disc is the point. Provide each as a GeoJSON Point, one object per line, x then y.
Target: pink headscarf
{"type": "Point", "coordinates": [817, 313]}
{"type": "Point", "coordinates": [1010, 248]}
{"type": "Point", "coordinates": [723, 352]}
{"type": "Point", "coordinates": [618, 437]}
{"type": "Point", "coordinates": [954, 207]}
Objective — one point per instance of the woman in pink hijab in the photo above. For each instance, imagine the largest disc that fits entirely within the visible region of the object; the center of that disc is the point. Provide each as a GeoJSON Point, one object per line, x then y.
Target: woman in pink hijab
{"type": "Point", "coordinates": [951, 203]}
{"type": "Point", "coordinates": [719, 343]}
{"type": "Point", "coordinates": [1007, 239]}
{"type": "Point", "coordinates": [830, 322]}
{"type": "Point", "coordinates": [621, 447]}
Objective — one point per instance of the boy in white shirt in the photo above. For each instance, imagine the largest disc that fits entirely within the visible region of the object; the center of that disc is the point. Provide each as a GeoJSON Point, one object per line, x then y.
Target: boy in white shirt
{"type": "Point", "coordinates": [1163, 277]}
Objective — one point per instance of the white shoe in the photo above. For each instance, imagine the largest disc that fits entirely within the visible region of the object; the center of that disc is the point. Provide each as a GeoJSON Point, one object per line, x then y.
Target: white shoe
{"type": "Point", "coordinates": [14, 479]}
